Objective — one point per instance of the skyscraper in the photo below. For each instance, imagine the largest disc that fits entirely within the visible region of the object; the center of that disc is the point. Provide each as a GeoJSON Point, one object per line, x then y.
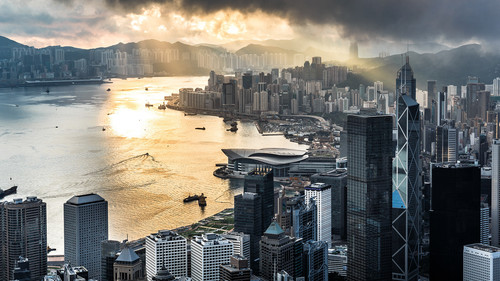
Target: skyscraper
{"type": "Point", "coordinates": [481, 262]}
{"type": "Point", "coordinates": [369, 199]}
{"type": "Point", "coordinates": [85, 227]}
{"type": "Point", "coordinates": [406, 184]}
{"type": "Point", "coordinates": [316, 261]}
{"type": "Point", "coordinates": [322, 195]}
{"type": "Point", "coordinates": [495, 193]}
{"type": "Point", "coordinates": [471, 104]}
{"type": "Point", "coordinates": [405, 83]}
{"type": "Point", "coordinates": [279, 252]}
{"type": "Point", "coordinates": [166, 249]}
{"type": "Point", "coordinates": [248, 220]}
{"type": "Point", "coordinates": [209, 251]}
{"type": "Point", "coordinates": [23, 233]}
{"type": "Point", "coordinates": [454, 217]}
{"type": "Point", "coordinates": [431, 96]}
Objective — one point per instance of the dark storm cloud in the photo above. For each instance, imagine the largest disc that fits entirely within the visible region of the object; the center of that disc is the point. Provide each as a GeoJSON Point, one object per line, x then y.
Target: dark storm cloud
{"type": "Point", "coordinates": [455, 20]}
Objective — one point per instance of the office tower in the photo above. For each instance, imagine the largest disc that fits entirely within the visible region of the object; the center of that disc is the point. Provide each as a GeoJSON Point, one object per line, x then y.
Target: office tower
{"type": "Point", "coordinates": [229, 93]}
{"type": "Point", "coordinates": [454, 217]}
{"type": "Point", "coordinates": [85, 227]}
{"type": "Point", "coordinates": [248, 220]}
{"type": "Point", "coordinates": [166, 249]}
{"type": "Point", "coordinates": [128, 266]}
{"type": "Point", "coordinates": [471, 103]}
{"type": "Point", "coordinates": [109, 249]}
{"type": "Point", "coordinates": [241, 243]}
{"type": "Point", "coordinates": [496, 87]}
{"type": "Point", "coordinates": [431, 94]}
{"type": "Point", "coordinates": [279, 252]}
{"type": "Point", "coordinates": [369, 199]}
{"type": "Point", "coordinates": [446, 143]}
{"type": "Point", "coordinates": [23, 233]}
{"type": "Point", "coordinates": [485, 224]}
{"type": "Point", "coordinates": [322, 194]}
{"type": "Point", "coordinates": [406, 184]}
{"type": "Point", "coordinates": [483, 104]}
{"type": "Point", "coordinates": [209, 251]}
{"type": "Point", "coordinates": [304, 218]}
{"type": "Point", "coordinates": [236, 270]}
{"type": "Point", "coordinates": [22, 270]}
{"type": "Point", "coordinates": [495, 193]}
{"type": "Point", "coordinates": [481, 262]}
{"type": "Point", "coordinates": [441, 105]}
{"type": "Point", "coordinates": [483, 150]}
{"type": "Point", "coordinates": [337, 179]}
{"type": "Point", "coordinates": [316, 261]}
{"type": "Point", "coordinates": [247, 81]}
{"type": "Point", "coordinates": [405, 83]}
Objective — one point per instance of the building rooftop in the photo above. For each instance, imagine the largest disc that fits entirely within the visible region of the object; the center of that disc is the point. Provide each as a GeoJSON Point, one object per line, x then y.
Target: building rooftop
{"type": "Point", "coordinates": [270, 156]}
{"type": "Point", "coordinates": [85, 199]}
{"type": "Point", "coordinates": [318, 186]}
{"type": "Point", "coordinates": [483, 247]}
{"type": "Point", "coordinates": [165, 235]}
{"type": "Point", "coordinates": [274, 229]}
{"type": "Point", "coordinates": [127, 255]}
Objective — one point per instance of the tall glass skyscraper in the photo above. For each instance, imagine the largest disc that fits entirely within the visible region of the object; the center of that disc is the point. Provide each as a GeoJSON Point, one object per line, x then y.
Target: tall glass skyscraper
{"type": "Point", "coordinates": [406, 183]}
{"type": "Point", "coordinates": [405, 82]}
{"type": "Point", "coordinates": [369, 200]}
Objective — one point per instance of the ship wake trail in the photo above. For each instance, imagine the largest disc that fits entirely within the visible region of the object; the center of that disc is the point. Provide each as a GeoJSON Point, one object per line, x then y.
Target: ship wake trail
{"type": "Point", "coordinates": [109, 167]}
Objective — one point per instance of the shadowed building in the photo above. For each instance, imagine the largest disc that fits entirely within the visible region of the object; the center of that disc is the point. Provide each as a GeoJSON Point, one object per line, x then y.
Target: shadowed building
{"type": "Point", "coordinates": [369, 200]}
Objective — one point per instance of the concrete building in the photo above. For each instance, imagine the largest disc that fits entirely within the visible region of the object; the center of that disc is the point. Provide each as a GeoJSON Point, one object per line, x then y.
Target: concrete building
{"type": "Point", "coordinates": [337, 260]}
{"type": "Point", "coordinates": [322, 194]}
{"type": "Point", "coordinates": [280, 252]}
{"type": "Point", "coordinates": [209, 251]}
{"type": "Point", "coordinates": [241, 243]}
{"type": "Point", "coordinates": [23, 233]}
{"type": "Point", "coordinates": [166, 249]}
{"type": "Point", "coordinates": [481, 262]}
{"type": "Point", "coordinates": [237, 270]}
{"type": "Point", "coordinates": [128, 266]}
{"type": "Point", "coordinates": [85, 227]}
{"type": "Point", "coordinates": [485, 224]}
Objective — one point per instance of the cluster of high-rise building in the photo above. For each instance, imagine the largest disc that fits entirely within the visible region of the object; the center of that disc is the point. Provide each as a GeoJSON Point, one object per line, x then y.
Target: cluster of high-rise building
{"type": "Point", "coordinates": [418, 199]}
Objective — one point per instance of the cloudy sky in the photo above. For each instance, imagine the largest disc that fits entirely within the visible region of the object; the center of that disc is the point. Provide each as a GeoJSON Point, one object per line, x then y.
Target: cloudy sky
{"type": "Point", "coordinates": [373, 23]}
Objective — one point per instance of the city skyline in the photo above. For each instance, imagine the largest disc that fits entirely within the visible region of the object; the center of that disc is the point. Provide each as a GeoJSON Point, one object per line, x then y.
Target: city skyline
{"type": "Point", "coordinates": [328, 25]}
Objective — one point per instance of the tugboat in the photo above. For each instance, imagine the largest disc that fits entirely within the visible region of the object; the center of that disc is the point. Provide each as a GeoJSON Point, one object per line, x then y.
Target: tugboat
{"type": "Point", "coordinates": [200, 128]}
{"type": "Point", "coordinates": [162, 106]}
{"type": "Point", "coordinates": [201, 200]}
{"type": "Point", "coordinates": [191, 198]}
{"type": "Point", "coordinates": [234, 127]}
{"type": "Point", "coordinates": [12, 190]}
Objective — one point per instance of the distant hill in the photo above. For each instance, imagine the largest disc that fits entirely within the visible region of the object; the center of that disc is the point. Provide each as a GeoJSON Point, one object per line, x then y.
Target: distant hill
{"type": "Point", "coordinates": [6, 46]}
{"type": "Point", "coordinates": [261, 49]}
{"type": "Point", "coordinates": [450, 67]}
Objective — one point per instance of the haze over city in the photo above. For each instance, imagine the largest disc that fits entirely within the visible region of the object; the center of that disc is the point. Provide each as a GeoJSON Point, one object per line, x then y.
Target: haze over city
{"type": "Point", "coordinates": [377, 26]}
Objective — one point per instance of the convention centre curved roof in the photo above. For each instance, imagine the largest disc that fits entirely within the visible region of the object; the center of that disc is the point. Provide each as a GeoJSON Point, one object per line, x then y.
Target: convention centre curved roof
{"type": "Point", "coordinates": [270, 156]}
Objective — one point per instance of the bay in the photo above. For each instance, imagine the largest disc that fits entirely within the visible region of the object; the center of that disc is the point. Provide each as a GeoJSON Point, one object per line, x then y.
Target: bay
{"type": "Point", "coordinates": [143, 163]}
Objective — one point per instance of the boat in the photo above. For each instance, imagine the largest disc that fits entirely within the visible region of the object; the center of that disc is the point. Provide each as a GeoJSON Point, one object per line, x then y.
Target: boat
{"type": "Point", "coordinates": [162, 106]}
{"type": "Point", "coordinates": [191, 198]}
{"type": "Point", "coordinates": [200, 128]}
{"type": "Point", "coordinates": [108, 90]}
{"type": "Point", "coordinates": [232, 129]}
{"type": "Point", "coordinates": [201, 200]}
{"type": "Point", "coordinates": [148, 104]}
{"type": "Point", "coordinates": [104, 129]}
{"type": "Point", "coordinates": [147, 89]}
{"type": "Point", "coordinates": [234, 124]}
{"type": "Point", "coordinates": [12, 190]}
{"type": "Point", "coordinates": [189, 114]}
{"type": "Point", "coordinates": [47, 90]}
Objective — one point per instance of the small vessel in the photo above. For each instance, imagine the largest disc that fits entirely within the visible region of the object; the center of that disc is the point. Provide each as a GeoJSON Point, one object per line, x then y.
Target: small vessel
{"type": "Point", "coordinates": [12, 190]}
{"type": "Point", "coordinates": [234, 124]}
{"type": "Point", "coordinates": [232, 129]}
{"type": "Point", "coordinates": [147, 89]}
{"type": "Point", "coordinates": [109, 89]}
{"type": "Point", "coordinates": [47, 90]}
{"type": "Point", "coordinates": [201, 200]}
{"type": "Point", "coordinates": [162, 106]}
{"type": "Point", "coordinates": [104, 129]}
{"type": "Point", "coordinates": [148, 104]}
{"type": "Point", "coordinates": [200, 128]}
{"type": "Point", "coordinates": [189, 114]}
{"type": "Point", "coordinates": [191, 198]}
